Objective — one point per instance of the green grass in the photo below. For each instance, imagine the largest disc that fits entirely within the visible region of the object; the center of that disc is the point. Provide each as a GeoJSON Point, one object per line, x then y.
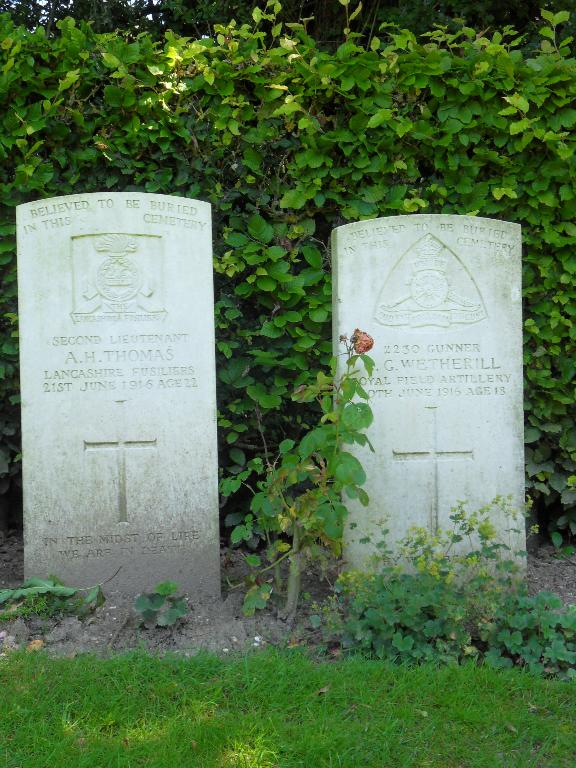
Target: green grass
{"type": "Point", "coordinates": [277, 709]}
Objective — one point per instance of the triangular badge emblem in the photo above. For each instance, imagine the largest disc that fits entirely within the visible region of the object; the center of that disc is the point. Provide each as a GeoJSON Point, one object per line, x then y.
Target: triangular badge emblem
{"type": "Point", "coordinates": [429, 286]}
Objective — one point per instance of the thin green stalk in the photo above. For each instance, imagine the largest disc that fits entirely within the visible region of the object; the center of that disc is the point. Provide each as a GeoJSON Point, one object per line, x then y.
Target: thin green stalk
{"type": "Point", "coordinates": [294, 576]}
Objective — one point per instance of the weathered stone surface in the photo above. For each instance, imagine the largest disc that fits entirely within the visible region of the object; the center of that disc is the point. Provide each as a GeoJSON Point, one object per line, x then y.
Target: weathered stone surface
{"type": "Point", "coordinates": [441, 295]}
{"type": "Point", "coordinates": [118, 391]}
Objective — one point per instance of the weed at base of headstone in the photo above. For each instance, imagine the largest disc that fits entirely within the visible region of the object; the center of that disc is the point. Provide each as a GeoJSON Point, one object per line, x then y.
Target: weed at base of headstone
{"type": "Point", "coordinates": [48, 597]}
{"type": "Point", "coordinates": [432, 602]}
{"type": "Point", "coordinates": [562, 551]}
{"type": "Point", "coordinates": [161, 607]}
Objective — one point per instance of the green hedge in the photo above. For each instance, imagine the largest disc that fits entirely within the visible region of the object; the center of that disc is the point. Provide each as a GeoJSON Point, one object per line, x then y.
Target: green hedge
{"type": "Point", "coordinates": [287, 141]}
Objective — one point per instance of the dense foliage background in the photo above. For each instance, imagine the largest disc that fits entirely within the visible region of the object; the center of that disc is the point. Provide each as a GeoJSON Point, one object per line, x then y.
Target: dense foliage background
{"type": "Point", "coordinates": [287, 137]}
{"type": "Point", "coordinates": [324, 19]}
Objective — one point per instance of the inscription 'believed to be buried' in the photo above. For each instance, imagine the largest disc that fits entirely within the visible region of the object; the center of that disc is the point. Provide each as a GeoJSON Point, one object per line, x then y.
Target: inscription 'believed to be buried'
{"type": "Point", "coordinates": [61, 214]}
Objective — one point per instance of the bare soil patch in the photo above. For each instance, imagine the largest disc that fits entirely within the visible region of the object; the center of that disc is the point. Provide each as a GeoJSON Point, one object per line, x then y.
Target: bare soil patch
{"type": "Point", "coordinates": [219, 627]}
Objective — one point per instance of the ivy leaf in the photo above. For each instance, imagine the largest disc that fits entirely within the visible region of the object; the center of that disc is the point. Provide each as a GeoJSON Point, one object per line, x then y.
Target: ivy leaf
{"type": "Point", "coordinates": [260, 229]}
{"type": "Point", "coordinates": [312, 256]}
{"type": "Point", "coordinates": [500, 192]}
{"type": "Point", "coordinates": [266, 283]}
{"type": "Point", "coordinates": [294, 198]}
{"type": "Point", "coordinates": [70, 78]}
{"type": "Point", "coordinates": [236, 239]}
{"type": "Point", "coordinates": [318, 315]}
{"type": "Point", "coordinates": [237, 456]}
{"type": "Point", "coordinates": [531, 434]}
{"type": "Point", "coordinates": [264, 398]}
{"type": "Point", "coordinates": [518, 101]}
{"type": "Point", "coordinates": [119, 97]}
{"type": "Point", "coordinates": [382, 116]}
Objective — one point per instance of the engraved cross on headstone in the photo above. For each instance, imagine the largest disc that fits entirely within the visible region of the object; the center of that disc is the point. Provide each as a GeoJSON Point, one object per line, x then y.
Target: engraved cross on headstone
{"type": "Point", "coordinates": [120, 446]}
{"type": "Point", "coordinates": [435, 455]}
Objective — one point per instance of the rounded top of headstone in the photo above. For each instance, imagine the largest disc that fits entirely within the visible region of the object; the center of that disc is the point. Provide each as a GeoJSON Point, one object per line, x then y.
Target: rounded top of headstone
{"type": "Point", "coordinates": [423, 218]}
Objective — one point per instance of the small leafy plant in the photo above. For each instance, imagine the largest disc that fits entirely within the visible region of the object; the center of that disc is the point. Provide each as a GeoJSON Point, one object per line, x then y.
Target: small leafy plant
{"type": "Point", "coordinates": [48, 597]}
{"type": "Point", "coordinates": [406, 617]}
{"type": "Point", "coordinates": [299, 506]}
{"type": "Point", "coordinates": [469, 550]}
{"type": "Point", "coordinates": [536, 632]}
{"type": "Point", "coordinates": [436, 603]}
{"type": "Point", "coordinates": [415, 617]}
{"type": "Point", "coordinates": [161, 607]}
{"type": "Point", "coordinates": [562, 550]}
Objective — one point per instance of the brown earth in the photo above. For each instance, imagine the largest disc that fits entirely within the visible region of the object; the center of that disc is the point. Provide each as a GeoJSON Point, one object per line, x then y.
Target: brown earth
{"type": "Point", "coordinates": [219, 627]}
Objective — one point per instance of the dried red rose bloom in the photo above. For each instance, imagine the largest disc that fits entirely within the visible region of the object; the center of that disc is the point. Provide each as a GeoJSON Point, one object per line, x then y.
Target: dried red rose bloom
{"type": "Point", "coordinates": [362, 342]}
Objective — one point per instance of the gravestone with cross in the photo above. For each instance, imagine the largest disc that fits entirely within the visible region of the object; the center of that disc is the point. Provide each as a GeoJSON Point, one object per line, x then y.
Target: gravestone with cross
{"type": "Point", "coordinates": [118, 391]}
{"type": "Point", "coordinates": [441, 296]}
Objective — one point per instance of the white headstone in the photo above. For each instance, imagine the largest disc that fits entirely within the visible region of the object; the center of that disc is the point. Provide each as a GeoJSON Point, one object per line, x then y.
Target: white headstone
{"type": "Point", "coordinates": [441, 296]}
{"type": "Point", "coordinates": [118, 391]}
